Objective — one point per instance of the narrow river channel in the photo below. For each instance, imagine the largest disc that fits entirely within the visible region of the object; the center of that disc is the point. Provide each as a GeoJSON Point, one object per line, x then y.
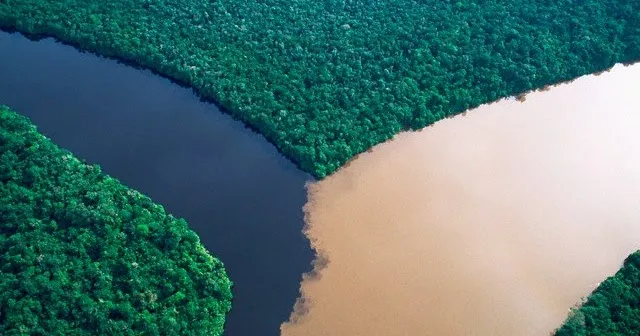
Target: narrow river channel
{"type": "Point", "coordinates": [241, 196]}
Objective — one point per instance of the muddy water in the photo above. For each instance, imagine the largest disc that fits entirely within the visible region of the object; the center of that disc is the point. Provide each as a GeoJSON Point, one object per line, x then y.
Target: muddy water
{"type": "Point", "coordinates": [493, 223]}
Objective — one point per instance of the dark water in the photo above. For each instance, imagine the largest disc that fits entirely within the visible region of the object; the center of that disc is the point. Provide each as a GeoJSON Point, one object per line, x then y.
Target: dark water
{"type": "Point", "coordinates": [242, 197]}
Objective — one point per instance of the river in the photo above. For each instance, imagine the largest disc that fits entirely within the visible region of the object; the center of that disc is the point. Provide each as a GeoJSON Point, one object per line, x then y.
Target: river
{"type": "Point", "coordinates": [491, 223]}
{"type": "Point", "coordinates": [242, 197]}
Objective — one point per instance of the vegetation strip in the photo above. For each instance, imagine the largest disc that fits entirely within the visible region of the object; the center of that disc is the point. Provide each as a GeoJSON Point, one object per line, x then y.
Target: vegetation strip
{"type": "Point", "coordinates": [612, 309]}
{"type": "Point", "coordinates": [326, 80]}
{"type": "Point", "coordinates": [81, 254]}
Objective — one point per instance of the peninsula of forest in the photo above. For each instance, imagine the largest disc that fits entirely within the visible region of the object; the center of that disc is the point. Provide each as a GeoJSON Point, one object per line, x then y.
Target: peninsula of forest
{"type": "Point", "coordinates": [323, 80]}
{"type": "Point", "coordinates": [326, 80]}
{"type": "Point", "coordinates": [81, 254]}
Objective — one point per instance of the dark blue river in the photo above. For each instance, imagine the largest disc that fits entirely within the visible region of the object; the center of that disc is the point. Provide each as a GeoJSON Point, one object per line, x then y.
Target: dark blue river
{"type": "Point", "coordinates": [242, 197]}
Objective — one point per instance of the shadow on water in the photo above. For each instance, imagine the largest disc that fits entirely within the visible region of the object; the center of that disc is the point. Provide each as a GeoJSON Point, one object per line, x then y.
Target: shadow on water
{"type": "Point", "coordinates": [241, 196]}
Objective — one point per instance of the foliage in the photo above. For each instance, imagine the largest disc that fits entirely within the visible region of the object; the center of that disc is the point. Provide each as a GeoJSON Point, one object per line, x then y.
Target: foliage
{"type": "Point", "coordinates": [612, 309]}
{"type": "Point", "coordinates": [81, 254]}
{"type": "Point", "coordinates": [326, 79]}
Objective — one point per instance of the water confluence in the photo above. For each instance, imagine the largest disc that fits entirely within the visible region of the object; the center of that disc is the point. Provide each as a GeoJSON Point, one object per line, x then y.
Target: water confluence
{"type": "Point", "coordinates": [492, 223]}
{"type": "Point", "coordinates": [242, 197]}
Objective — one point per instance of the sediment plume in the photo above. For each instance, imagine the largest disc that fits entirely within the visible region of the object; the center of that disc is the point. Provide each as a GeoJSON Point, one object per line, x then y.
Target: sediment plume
{"type": "Point", "coordinates": [492, 223]}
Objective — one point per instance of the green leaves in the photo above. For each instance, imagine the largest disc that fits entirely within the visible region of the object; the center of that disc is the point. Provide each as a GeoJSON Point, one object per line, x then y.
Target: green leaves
{"type": "Point", "coordinates": [80, 254]}
{"type": "Point", "coordinates": [316, 60]}
{"type": "Point", "coordinates": [612, 309]}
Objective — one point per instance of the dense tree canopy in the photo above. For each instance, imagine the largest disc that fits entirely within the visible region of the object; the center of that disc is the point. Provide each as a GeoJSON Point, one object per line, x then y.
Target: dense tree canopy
{"type": "Point", "coordinates": [81, 254]}
{"type": "Point", "coordinates": [612, 309]}
{"type": "Point", "coordinates": [327, 79]}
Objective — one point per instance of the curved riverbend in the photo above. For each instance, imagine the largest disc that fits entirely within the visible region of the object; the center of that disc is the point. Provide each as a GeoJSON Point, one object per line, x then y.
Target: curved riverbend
{"type": "Point", "coordinates": [325, 80]}
{"type": "Point", "coordinates": [158, 138]}
{"type": "Point", "coordinates": [493, 223]}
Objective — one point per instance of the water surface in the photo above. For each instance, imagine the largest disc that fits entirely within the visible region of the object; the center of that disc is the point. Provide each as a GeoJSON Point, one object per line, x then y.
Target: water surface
{"type": "Point", "coordinates": [493, 223]}
{"type": "Point", "coordinates": [242, 197]}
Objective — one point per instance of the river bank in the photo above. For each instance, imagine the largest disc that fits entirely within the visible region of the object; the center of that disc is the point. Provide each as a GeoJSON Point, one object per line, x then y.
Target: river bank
{"type": "Point", "coordinates": [198, 163]}
{"type": "Point", "coordinates": [491, 223]}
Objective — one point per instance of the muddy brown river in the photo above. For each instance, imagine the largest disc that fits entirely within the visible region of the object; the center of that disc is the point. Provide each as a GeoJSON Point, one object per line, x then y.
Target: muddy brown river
{"type": "Point", "coordinates": [492, 223]}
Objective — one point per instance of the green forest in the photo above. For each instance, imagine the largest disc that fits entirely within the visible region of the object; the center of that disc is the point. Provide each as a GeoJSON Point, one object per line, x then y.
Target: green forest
{"type": "Point", "coordinates": [325, 80]}
{"type": "Point", "coordinates": [612, 309]}
{"type": "Point", "coordinates": [81, 254]}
